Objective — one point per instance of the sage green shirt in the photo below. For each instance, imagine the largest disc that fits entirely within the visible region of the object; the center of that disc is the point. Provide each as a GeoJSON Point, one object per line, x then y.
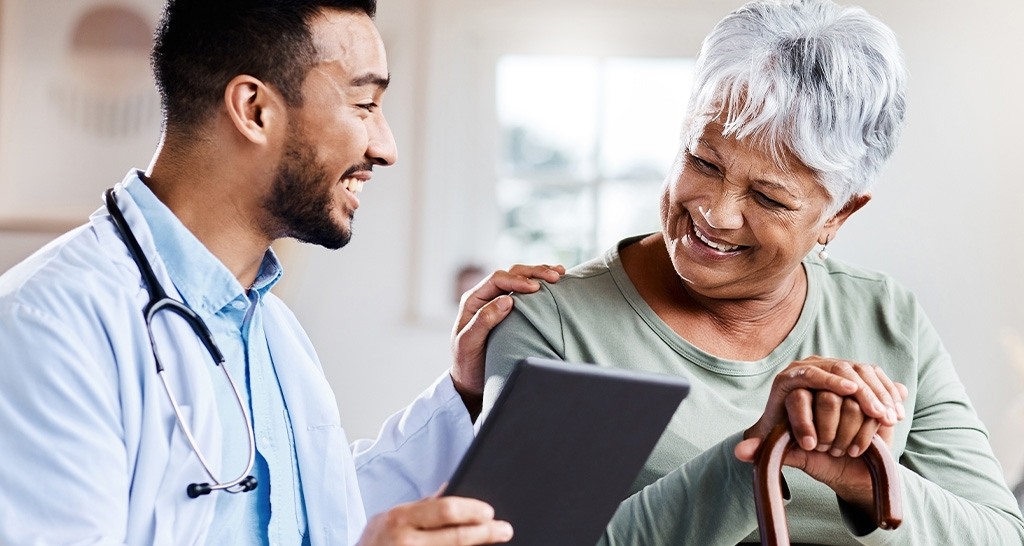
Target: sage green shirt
{"type": "Point", "coordinates": [693, 490]}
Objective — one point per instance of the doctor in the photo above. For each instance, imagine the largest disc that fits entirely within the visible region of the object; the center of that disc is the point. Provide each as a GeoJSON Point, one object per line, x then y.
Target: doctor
{"type": "Point", "coordinates": [153, 390]}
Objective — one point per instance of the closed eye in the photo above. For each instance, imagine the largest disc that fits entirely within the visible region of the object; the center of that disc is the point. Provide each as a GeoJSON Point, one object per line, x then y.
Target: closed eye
{"type": "Point", "coordinates": [704, 166]}
{"type": "Point", "coordinates": [768, 201]}
{"type": "Point", "coordinates": [368, 106]}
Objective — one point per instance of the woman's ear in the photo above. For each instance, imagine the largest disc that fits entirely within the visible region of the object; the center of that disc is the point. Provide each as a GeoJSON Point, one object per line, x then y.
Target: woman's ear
{"type": "Point", "coordinates": [254, 108]}
{"type": "Point", "coordinates": [833, 224]}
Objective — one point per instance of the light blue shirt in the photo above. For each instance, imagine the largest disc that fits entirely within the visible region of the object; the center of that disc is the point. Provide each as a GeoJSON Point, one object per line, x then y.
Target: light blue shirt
{"type": "Point", "coordinates": [92, 453]}
{"type": "Point", "coordinates": [273, 513]}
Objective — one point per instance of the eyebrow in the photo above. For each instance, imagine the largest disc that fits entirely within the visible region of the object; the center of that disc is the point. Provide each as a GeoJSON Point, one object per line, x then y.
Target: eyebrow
{"type": "Point", "coordinates": [371, 78]}
{"type": "Point", "coordinates": [777, 186]}
{"type": "Point", "coordinates": [773, 184]}
{"type": "Point", "coordinates": [707, 144]}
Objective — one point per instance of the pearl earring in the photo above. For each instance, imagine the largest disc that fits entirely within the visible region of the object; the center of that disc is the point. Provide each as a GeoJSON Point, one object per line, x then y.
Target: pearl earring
{"type": "Point", "coordinates": [823, 254]}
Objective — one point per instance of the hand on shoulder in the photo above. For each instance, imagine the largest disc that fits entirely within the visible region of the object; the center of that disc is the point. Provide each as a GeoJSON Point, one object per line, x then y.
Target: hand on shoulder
{"type": "Point", "coordinates": [480, 310]}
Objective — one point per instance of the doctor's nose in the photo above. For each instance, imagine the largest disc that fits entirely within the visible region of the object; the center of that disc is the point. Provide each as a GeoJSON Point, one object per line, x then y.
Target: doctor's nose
{"type": "Point", "coordinates": [381, 147]}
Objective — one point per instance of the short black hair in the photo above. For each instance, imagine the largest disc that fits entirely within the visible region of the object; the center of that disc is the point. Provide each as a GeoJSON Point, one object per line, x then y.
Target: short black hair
{"type": "Point", "coordinates": [200, 45]}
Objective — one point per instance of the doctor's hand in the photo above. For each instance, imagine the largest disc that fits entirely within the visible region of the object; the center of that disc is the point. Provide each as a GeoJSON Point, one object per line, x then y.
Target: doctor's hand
{"type": "Point", "coordinates": [480, 310]}
{"type": "Point", "coordinates": [454, 521]}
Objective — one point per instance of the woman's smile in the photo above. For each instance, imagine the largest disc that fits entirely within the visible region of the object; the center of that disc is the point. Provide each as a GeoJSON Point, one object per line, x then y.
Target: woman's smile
{"type": "Point", "coordinates": [708, 241]}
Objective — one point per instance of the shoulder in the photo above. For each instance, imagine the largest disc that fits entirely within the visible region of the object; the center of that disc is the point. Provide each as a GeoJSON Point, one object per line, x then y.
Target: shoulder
{"type": "Point", "coordinates": [79, 272]}
{"type": "Point", "coordinates": [876, 304]}
{"type": "Point", "coordinates": [857, 284]}
{"type": "Point", "coordinates": [69, 311]}
{"type": "Point", "coordinates": [591, 279]}
{"type": "Point", "coordinates": [588, 277]}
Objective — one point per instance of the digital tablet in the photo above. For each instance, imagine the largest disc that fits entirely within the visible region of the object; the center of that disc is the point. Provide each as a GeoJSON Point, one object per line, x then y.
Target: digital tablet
{"type": "Point", "coordinates": [561, 446]}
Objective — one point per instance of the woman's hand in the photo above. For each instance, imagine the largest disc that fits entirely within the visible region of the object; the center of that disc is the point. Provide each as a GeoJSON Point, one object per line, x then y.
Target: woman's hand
{"type": "Point", "coordinates": [480, 310]}
{"type": "Point", "coordinates": [438, 521]}
{"type": "Point", "coordinates": [833, 407]}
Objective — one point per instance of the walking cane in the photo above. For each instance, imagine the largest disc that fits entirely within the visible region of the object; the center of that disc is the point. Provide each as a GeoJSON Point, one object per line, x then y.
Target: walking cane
{"type": "Point", "coordinates": [771, 510]}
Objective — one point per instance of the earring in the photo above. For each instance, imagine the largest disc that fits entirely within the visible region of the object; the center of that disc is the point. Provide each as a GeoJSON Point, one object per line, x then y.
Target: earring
{"type": "Point", "coordinates": [823, 254]}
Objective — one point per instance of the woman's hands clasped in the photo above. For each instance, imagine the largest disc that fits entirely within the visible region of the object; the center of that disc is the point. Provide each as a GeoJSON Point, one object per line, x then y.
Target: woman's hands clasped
{"type": "Point", "coordinates": [834, 407]}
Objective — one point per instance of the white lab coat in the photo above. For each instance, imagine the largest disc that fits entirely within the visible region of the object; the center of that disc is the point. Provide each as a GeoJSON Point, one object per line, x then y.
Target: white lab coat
{"type": "Point", "coordinates": [91, 451]}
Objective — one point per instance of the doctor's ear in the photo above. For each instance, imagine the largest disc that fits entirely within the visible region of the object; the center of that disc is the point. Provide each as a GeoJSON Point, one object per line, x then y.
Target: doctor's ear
{"type": "Point", "coordinates": [255, 109]}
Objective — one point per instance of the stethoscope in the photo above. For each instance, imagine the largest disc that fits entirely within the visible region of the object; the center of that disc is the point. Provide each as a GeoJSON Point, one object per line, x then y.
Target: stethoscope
{"type": "Point", "coordinates": [160, 301]}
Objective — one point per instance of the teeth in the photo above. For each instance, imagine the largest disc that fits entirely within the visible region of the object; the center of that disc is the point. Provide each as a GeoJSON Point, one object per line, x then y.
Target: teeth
{"type": "Point", "coordinates": [714, 245]}
{"type": "Point", "coordinates": [353, 185]}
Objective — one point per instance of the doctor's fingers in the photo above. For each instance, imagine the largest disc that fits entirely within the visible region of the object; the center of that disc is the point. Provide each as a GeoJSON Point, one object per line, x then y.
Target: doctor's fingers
{"type": "Point", "coordinates": [519, 278]}
{"type": "Point", "coordinates": [491, 532]}
{"type": "Point", "coordinates": [437, 520]}
{"type": "Point", "coordinates": [469, 343]}
{"type": "Point", "coordinates": [456, 520]}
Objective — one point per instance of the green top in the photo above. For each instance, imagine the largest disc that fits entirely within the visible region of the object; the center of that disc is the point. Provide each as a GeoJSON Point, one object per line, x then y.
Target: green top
{"type": "Point", "coordinates": [697, 492]}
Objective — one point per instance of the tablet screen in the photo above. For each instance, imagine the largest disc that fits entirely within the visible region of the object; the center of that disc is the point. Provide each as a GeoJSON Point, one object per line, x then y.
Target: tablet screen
{"type": "Point", "coordinates": [562, 445]}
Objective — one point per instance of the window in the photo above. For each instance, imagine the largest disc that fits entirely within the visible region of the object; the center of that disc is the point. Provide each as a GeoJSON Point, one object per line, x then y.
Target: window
{"type": "Point", "coordinates": [585, 145]}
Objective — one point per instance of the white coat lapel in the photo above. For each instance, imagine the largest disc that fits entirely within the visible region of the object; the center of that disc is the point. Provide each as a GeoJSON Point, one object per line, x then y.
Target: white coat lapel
{"type": "Point", "coordinates": [333, 507]}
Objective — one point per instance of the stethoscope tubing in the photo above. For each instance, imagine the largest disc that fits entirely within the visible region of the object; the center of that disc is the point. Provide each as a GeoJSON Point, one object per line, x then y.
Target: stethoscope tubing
{"type": "Point", "coordinates": [160, 301]}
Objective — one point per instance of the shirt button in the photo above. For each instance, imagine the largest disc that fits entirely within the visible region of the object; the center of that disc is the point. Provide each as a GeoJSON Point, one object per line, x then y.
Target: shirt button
{"type": "Point", "coordinates": [238, 305]}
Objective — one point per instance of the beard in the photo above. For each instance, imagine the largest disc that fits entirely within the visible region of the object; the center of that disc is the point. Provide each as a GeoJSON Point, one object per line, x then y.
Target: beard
{"type": "Point", "coordinates": [301, 203]}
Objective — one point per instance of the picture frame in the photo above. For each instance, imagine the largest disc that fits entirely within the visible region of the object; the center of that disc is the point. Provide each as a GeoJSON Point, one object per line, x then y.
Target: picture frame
{"type": "Point", "coordinates": [78, 107]}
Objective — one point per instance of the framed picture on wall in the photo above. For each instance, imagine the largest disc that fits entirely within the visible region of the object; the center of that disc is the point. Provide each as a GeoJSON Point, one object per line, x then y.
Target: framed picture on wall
{"type": "Point", "coordinates": [78, 107]}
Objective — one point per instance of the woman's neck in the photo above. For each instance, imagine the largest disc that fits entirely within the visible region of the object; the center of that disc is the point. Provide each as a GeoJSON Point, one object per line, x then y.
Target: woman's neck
{"type": "Point", "coordinates": [736, 328]}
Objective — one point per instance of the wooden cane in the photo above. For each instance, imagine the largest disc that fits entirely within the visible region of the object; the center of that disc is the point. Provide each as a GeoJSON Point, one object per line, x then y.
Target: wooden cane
{"type": "Point", "coordinates": [771, 509]}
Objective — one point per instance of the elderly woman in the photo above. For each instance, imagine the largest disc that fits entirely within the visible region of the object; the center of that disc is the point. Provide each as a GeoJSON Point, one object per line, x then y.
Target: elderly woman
{"type": "Point", "coordinates": [796, 106]}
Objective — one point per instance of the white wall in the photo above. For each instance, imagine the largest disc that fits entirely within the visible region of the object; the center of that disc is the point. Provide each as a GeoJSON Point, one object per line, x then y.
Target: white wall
{"type": "Point", "coordinates": [945, 217]}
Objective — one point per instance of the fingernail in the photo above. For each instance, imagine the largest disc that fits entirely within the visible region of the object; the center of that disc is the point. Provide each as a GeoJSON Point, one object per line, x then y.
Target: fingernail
{"type": "Point", "coordinates": [822, 448]}
{"type": "Point", "coordinates": [879, 408]}
{"type": "Point", "coordinates": [901, 409]}
{"type": "Point", "coordinates": [891, 414]}
{"type": "Point", "coordinates": [504, 303]}
{"type": "Point", "coordinates": [854, 451]}
{"type": "Point", "coordinates": [808, 442]}
{"type": "Point", "coordinates": [836, 452]}
{"type": "Point", "coordinates": [504, 531]}
{"type": "Point", "coordinates": [847, 384]}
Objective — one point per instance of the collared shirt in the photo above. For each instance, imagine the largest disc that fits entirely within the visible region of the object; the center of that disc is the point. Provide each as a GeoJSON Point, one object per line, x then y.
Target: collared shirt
{"type": "Point", "coordinates": [274, 512]}
{"type": "Point", "coordinates": [92, 449]}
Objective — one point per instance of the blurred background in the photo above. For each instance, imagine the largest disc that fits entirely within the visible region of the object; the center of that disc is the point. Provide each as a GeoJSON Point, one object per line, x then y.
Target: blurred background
{"type": "Point", "coordinates": [540, 131]}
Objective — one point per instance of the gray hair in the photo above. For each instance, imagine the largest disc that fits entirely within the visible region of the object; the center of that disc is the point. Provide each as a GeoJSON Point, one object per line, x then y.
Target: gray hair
{"type": "Point", "coordinates": [827, 83]}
